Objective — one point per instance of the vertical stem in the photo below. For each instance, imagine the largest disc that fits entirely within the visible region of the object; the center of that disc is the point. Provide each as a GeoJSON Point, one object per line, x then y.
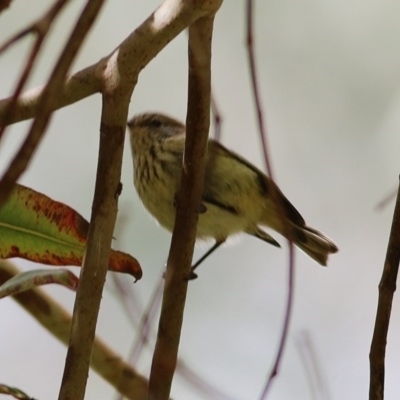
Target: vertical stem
{"type": "Point", "coordinates": [387, 287]}
{"type": "Point", "coordinates": [263, 135]}
{"type": "Point", "coordinates": [188, 204]}
{"type": "Point", "coordinates": [94, 269]}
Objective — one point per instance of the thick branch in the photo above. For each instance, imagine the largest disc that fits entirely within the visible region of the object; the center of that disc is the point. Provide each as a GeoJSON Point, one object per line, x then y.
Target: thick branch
{"type": "Point", "coordinates": [133, 54]}
{"type": "Point", "coordinates": [115, 76]}
{"type": "Point", "coordinates": [77, 87]}
{"type": "Point", "coordinates": [188, 205]}
{"type": "Point", "coordinates": [387, 287]}
{"type": "Point", "coordinates": [94, 269]}
{"type": "Point", "coordinates": [118, 74]}
{"type": "Point", "coordinates": [57, 321]}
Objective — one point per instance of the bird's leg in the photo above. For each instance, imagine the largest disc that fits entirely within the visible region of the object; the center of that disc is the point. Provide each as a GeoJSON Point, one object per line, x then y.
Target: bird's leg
{"type": "Point", "coordinates": [192, 274]}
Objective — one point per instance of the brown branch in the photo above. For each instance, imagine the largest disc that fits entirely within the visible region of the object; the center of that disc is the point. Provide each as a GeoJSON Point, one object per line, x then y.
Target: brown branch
{"type": "Point", "coordinates": [41, 28]}
{"type": "Point", "coordinates": [131, 57]}
{"type": "Point", "coordinates": [76, 87]}
{"type": "Point", "coordinates": [387, 287]}
{"type": "Point", "coordinates": [51, 91]}
{"type": "Point", "coordinates": [4, 4]}
{"type": "Point", "coordinates": [188, 204]}
{"type": "Point", "coordinates": [170, 19]}
{"type": "Point", "coordinates": [94, 269]}
{"type": "Point", "coordinates": [145, 338]}
{"type": "Point", "coordinates": [118, 74]}
{"type": "Point", "coordinates": [53, 317]}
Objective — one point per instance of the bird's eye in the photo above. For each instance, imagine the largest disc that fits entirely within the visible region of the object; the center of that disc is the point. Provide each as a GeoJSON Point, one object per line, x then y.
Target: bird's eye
{"type": "Point", "coordinates": [155, 123]}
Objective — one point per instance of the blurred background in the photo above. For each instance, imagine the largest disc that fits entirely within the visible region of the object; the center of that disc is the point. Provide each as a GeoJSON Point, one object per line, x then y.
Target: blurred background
{"type": "Point", "coordinates": [329, 76]}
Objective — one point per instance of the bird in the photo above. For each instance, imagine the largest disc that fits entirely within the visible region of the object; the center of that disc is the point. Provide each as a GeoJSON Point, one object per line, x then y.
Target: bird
{"type": "Point", "coordinates": [237, 197]}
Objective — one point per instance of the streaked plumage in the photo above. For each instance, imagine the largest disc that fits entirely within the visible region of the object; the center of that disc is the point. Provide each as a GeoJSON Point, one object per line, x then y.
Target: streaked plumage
{"type": "Point", "coordinates": [237, 195]}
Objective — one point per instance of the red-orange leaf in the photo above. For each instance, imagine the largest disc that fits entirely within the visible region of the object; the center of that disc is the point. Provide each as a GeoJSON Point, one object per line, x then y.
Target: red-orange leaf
{"type": "Point", "coordinates": [37, 228]}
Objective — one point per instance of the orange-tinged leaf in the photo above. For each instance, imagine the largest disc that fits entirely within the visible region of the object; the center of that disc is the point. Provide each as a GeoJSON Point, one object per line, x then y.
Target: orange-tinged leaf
{"type": "Point", "coordinates": [37, 228]}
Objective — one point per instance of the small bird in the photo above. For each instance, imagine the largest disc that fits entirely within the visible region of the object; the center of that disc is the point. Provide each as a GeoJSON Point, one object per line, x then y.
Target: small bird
{"type": "Point", "coordinates": [237, 196]}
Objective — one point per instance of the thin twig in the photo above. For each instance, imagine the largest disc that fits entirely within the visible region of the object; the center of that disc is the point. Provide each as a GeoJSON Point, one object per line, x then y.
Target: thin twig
{"type": "Point", "coordinates": [387, 287]}
{"type": "Point", "coordinates": [145, 323]}
{"type": "Point", "coordinates": [41, 28]}
{"type": "Point", "coordinates": [53, 317]}
{"type": "Point", "coordinates": [208, 390]}
{"type": "Point", "coordinates": [188, 200]}
{"type": "Point", "coordinates": [146, 338]}
{"type": "Point", "coordinates": [285, 328]}
{"type": "Point", "coordinates": [127, 298]}
{"type": "Point", "coordinates": [263, 135]}
{"type": "Point", "coordinates": [53, 87]}
{"type": "Point", "coordinates": [386, 200]}
{"type": "Point", "coordinates": [313, 371]}
{"type": "Point", "coordinates": [255, 86]}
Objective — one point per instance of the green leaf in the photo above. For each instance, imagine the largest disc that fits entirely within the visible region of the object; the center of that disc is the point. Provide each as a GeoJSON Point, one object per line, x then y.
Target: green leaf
{"type": "Point", "coordinates": [37, 228]}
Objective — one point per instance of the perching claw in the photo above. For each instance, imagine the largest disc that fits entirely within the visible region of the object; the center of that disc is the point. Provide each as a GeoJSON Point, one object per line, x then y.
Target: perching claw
{"type": "Point", "coordinates": [192, 275]}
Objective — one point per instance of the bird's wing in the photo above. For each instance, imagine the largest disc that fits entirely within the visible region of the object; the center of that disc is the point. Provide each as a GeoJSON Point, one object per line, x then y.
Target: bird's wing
{"type": "Point", "coordinates": [231, 181]}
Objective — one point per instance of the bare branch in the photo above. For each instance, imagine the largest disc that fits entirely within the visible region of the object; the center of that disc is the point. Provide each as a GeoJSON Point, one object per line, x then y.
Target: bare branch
{"type": "Point", "coordinates": [94, 269]}
{"type": "Point", "coordinates": [263, 135]}
{"type": "Point", "coordinates": [53, 317]}
{"type": "Point", "coordinates": [51, 91]}
{"type": "Point", "coordinates": [4, 4]}
{"type": "Point", "coordinates": [76, 87]}
{"type": "Point", "coordinates": [254, 87]}
{"type": "Point", "coordinates": [387, 287]}
{"type": "Point", "coordinates": [385, 201]}
{"type": "Point", "coordinates": [118, 73]}
{"type": "Point", "coordinates": [145, 338]}
{"type": "Point", "coordinates": [41, 28]}
{"type": "Point", "coordinates": [145, 323]}
{"type": "Point", "coordinates": [312, 368]}
{"type": "Point", "coordinates": [134, 53]}
{"type": "Point", "coordinates": [188, 205]}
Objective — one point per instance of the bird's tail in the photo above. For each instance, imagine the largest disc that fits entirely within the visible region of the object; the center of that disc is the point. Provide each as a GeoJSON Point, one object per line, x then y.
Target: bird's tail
{"type": "Point", "coordinates": [314, 243]}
